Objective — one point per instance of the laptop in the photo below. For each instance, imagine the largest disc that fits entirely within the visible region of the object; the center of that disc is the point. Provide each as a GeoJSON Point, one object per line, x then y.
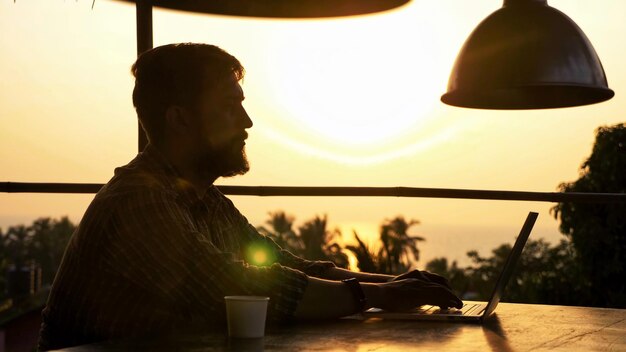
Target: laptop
{"type": "Point", "coordinates": [471, 311]}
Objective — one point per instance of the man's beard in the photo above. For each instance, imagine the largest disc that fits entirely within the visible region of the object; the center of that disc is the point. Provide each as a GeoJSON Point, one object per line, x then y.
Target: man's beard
{"type": "Point", "coordinates": [226, 161]}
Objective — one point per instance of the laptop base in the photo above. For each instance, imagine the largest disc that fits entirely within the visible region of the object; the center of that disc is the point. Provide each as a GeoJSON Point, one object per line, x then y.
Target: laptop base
{"type": "Point", "coordinates": [471, 312]}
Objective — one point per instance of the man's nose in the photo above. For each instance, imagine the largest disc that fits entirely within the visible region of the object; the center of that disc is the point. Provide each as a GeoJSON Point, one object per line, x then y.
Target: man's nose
{"type": "Point", "coordinates": [246, 121]}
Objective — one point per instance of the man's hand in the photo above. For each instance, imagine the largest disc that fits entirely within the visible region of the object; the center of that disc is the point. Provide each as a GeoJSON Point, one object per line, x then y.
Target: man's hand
{"type": "Point", "coordinates": [424, 276]}
{"type": "Point", "coordinates": [324, 299]}
{"type": "Point", "coordinates": [405, 294]}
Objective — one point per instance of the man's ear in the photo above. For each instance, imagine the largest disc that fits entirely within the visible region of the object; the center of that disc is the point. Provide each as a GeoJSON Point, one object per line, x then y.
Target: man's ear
{"type": "Point", "coordinates": [178, 119]}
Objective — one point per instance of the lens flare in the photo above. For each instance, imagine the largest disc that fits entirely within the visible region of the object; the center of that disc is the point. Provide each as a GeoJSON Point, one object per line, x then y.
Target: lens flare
{"type": "Point", "coordinates": [260, 254]}
{"type": "Point", "coordinates": [259, 257]}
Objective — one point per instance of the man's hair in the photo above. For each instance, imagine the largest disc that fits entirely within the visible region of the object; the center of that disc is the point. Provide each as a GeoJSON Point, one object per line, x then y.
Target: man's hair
{"type": "Point", "coordinates": [176, 74]}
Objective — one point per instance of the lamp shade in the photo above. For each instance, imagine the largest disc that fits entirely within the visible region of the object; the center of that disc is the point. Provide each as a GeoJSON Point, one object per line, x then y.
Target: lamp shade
{"type": "Point", "coordinates": [527, 55]}
{"type": "Point", "coordinates": [280, 8]}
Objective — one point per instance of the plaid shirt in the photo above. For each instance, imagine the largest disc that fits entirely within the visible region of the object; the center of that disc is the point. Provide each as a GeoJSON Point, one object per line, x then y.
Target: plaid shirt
{"type": "Point", "coordinates": [150, 256]}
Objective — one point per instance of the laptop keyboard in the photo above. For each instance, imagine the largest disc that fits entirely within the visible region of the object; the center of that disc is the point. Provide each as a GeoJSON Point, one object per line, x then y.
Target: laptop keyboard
{"type": "Point", "coordinates": [470, 308]}
{"type": "Point", "coordinates": [467, 309]}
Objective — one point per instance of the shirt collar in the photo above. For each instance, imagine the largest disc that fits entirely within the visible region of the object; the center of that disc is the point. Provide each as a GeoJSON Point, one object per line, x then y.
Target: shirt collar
{"type": "Point", "coordinates": [172, 177]}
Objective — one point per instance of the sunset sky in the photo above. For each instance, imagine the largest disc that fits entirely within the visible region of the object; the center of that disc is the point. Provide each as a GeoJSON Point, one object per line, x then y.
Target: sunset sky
{"type": "Point", "coordinates": [341, 102]}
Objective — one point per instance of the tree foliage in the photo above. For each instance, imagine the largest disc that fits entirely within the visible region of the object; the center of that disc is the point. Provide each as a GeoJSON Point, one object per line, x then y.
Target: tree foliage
{"type": "Point", "coordinates": [367, 260]}
{"type": "Point", "coordinates": [41, 244]}
{"type": "Point", "coordinates": [398, 250]}
{"type": "Point", "coordinates": [314, 240]}
{"type": "Point", "coordinates": [280, 229]}
{"type": "Point", "coordinates": [598, 230]}
{"type": "Point", "coordinates": [544, 274]}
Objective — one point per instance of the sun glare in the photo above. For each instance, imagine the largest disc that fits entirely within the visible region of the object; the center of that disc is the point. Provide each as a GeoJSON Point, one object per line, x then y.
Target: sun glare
{"type": "Point", "coordinates": [358, 90]}
{"type": "Point", "coordinates": [363, 157]}
{"type": "Point", "coordinates": [354, 91]}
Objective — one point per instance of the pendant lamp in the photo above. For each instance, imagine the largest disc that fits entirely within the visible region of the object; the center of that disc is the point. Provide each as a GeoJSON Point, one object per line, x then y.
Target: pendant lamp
{"type": "Point", "coordinates": [526, 55]}
{"type": "Point", "coordinates": [279, 8]}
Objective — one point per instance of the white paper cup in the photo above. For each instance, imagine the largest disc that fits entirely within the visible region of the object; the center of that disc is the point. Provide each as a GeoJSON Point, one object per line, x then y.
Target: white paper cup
{"type": "Point", "coordinates": [246, 315]}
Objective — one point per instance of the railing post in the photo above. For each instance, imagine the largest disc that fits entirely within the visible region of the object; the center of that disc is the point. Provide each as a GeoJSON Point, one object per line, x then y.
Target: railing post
{"type": "Point", "coordinates": [144, 42]}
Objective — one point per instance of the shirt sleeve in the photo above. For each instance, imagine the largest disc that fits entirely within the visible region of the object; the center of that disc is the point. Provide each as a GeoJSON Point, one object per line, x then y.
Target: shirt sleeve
{"type": "Point", "coordinates": [284, 257]}
{"type": "Point", "coordinates": [154, 246]}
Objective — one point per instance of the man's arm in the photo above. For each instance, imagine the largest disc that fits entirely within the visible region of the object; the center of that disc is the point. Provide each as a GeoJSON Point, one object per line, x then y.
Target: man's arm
{"type": "Point", "coordinates": [152, 246]}
{"type": "Point", "coordinates": [327, 270]}
{"type": "Point", "coordinates": [325, 299]}
{"type": "Point", "coordinates": [340, 274]}
{"type": "Point", "coordinates": [315, 268]}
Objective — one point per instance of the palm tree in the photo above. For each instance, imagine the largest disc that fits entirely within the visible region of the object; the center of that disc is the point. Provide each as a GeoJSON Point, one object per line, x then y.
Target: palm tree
{"type": "Point", "coordinates": [397, 246]}
{"type": "Point", "coordinates": [314, 237]}
{"type": "Point", "coordinates": [367, 260]}
{"type": "Point", "coordinates": [318, 243]}
{"type": "Point", "coordinates": [280, 229]}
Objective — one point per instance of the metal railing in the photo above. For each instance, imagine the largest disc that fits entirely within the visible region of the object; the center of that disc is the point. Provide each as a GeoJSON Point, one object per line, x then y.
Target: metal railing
{"type": "Point", "coordinates": [411, 192]}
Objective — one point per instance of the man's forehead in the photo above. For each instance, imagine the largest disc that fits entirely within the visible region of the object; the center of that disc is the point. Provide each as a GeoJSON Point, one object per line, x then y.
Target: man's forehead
{"type": "Point", "coordinates": [227, 88]}
{"type": "Point", "coordinates": [232, 89]}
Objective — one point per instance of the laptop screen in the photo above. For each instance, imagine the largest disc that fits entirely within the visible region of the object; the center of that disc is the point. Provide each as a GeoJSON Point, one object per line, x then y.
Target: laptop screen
{"type": "Point", "coordinates": [511, 261]}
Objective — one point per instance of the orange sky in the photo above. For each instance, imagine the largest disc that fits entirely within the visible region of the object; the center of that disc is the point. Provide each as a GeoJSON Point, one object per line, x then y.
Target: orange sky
{"type": "Point", "coordinates": [342, 102]}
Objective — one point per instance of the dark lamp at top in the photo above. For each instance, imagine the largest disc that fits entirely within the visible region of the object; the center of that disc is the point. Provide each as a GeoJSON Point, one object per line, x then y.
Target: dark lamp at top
{"type": "Point", "coordinates": [279, 8]}
{"type": "Point", "coordinates": [527, 55]}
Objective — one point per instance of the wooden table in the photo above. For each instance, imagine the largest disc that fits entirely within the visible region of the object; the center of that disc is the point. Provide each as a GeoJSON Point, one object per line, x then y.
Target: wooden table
{"type": "Point", "coordinates": [514, 327]}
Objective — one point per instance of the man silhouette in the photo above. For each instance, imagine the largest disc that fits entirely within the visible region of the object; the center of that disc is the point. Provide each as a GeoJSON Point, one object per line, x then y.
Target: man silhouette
{"type": "Point", "coordinates": [159, 246]}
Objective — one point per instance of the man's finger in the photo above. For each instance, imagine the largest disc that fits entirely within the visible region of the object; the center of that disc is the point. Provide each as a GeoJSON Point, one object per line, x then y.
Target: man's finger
{"type": "Point", "coordinates": [442, 296]}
